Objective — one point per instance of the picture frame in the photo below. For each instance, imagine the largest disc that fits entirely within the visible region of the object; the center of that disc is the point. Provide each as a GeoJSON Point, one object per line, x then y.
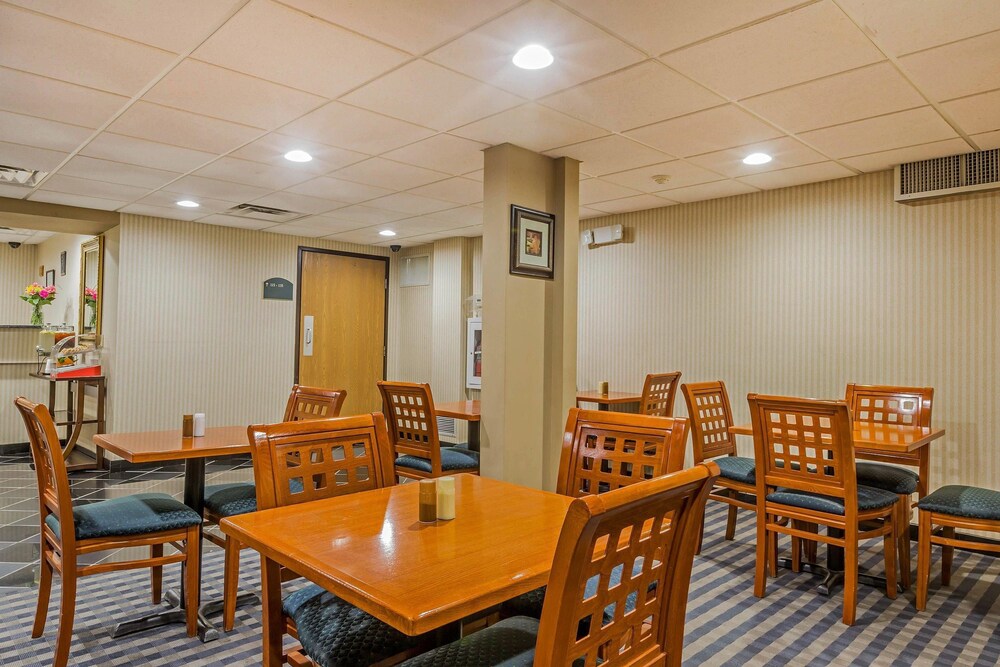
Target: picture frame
{"type": "Point", "coordinates": [62, 263]}
{"type": "Point", "coordinates": [532, 243]}
{"type": "Point", "coordinates": [50, 277]}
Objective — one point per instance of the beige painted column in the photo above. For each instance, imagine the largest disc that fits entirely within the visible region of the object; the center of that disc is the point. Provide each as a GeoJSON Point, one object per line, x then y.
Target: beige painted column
{"type": "Point", "coordinates": [452, 284]}
{"type": "Point", "coordinates": [529, 324]}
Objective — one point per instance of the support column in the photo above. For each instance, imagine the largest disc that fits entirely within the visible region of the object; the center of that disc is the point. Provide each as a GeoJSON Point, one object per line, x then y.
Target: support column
{"type": "Point", "coordinates": [452, 284]}
{"type": "Point", "coordinates": [529, 324]}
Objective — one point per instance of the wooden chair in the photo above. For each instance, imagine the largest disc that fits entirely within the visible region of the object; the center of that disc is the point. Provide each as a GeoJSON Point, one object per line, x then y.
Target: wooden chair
{"type": "Point", "coordinates": [144, 519]}
{"type": "Point", "coordinates": [805, 472]}
{"type": "Point", "coordinates": [413, 431]}
{"type": "Point", "coordinates": [885, 404]}
{"type": "Point", "coordinates": [658, 393]}
{"type": "Point", "coordinates": [711, 418]}
{"type": "Point", "coordinates": [951, 507]}
{"type": "Point", "coordinates": [594, 615]}
{"type": "Point", "coordinates": [302, 462]}
{"type": "Point", "coordinates": [222, 500]}
{"type": "Point", "coordinates": [603, 451]}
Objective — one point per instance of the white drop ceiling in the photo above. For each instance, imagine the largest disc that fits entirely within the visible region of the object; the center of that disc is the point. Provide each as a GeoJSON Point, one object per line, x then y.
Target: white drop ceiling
{"type": "Point", "coordinates": [132, 106]}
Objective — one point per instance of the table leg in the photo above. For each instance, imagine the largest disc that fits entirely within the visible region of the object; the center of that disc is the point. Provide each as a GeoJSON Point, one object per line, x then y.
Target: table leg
{"type": "Point", "coordinates": [833, 573]}
{"type": "Point", "coordinates": [604, 407]}
{"type": "Point", "coordinates": [474, 436]}
{"type": "Point", "coordinates": [70, 417]}
{"type": "Point", "coordinates": [102, 394]}
{"type": "Point", "coordinates": [274, 624]}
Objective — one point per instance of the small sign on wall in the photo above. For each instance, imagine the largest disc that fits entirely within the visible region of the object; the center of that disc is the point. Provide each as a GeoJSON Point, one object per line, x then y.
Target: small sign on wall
{"type": "Point", "coordinates": [278, 288]}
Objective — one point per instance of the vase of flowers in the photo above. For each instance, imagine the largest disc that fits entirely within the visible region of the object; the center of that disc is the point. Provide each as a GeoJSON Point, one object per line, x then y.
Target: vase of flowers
{"type": "Point", "coordinates": [90, 298]}
{"type": "Point", "coordinates": [38, 296]}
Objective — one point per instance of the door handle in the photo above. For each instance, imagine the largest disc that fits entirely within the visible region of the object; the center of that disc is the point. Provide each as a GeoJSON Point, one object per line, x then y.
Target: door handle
{"type": "Point", "coordinates": [307, 336]}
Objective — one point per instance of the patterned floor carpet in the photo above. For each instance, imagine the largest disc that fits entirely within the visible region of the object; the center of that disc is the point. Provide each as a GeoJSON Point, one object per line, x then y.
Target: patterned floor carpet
{"type": "Point", "coordinates": [726, 624]}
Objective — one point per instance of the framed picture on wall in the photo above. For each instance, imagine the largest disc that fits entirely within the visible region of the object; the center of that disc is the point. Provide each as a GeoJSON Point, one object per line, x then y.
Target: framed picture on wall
{"type": "Point", "coordinates": [50, 277]}
{"type": "Point", "coordinates": [62, 263]}
{"type": "Point", "coordinates": [532, 242]}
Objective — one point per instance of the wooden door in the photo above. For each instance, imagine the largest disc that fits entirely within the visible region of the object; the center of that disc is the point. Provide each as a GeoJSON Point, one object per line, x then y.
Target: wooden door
{"type": "Point", "coordinates": [346, 297]}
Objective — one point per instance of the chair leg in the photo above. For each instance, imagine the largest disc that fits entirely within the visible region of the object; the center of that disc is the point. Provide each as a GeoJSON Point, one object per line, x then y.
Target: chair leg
{"type": "Point", "coordinates": [772, 554]}
{"type": "Point", "coordinates": [851, 572]}
{"type": "Point", "coordinates": [44, 591]}
{"type": "Point", "coordinates": [701, 535]}
{"type": "Point", "coordinates": [731, 520]}
{"type": "Point", "coordinates": [192, 552]}
{"type": "Point", "coordinates": [923, 560]}
{"type": "Point", "coordinates": [760, 568]}
{"type": "Point", "coordinates": [67, 608]}
{"type": "Point", "coordinates": [890, 543]}
{"type": "Point", "coordinates": [797, 548]}
{"type": "Point", "coordinates": [156, 573]}
{"type": "Point", "coordinates": [903, 540]}
{"type": "Point", "coordinates": [947, 555]}
{"type": "Point", "coordinates": [810, 545]}
{"type": "Point", "coordinates": [230, 584]}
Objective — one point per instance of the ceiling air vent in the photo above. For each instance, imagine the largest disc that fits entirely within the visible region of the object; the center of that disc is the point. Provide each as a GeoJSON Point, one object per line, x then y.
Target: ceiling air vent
{"type": "Point", "coordinates": [19, 177]}
{"type": "Point", "coordinates": [955, 174]}
{"type": "Point", "coordinates": [258, 212]}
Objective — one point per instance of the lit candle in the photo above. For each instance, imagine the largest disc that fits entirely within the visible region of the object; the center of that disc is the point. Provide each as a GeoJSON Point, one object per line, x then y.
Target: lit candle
{"type": "Point", "coordinates": [428, 501]}
{"type": "Point", "coordinates": [446, 498]}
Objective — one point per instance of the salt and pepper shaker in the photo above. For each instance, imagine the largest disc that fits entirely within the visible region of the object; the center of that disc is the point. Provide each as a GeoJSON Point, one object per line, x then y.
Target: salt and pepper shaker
{"type": "Point", "coordinates": [199, 424]}
{"type": "Point", "coordinates": [604, 388]}
{"type": "Point", "coordinates": [428, 501]}
{"type": "Point", "coordinates": [187, 430]}
{"type": "Point", "coordinates": [445, 498]}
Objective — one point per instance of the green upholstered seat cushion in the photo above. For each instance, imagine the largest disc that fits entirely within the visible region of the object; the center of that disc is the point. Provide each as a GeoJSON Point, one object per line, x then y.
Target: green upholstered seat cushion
{"type": "Point", "coordinates": [509, 643]}
{"type": "Point", "coordinates": [737, 468]}
{"type": "Point", "coordinates": [231, 499]}
{"type": "Point", "coordinates": [130, 515]}
{"type": "Point", "coordinates": [451, 459]}
{"type": "Point", "coordinates": [868, 499]}
{"type": "Point", "coordinates": [965, 501]}
{"type": "Point", "coordinates": [890, 478]}
{"type": "Point", "coordinates": [335, 633]}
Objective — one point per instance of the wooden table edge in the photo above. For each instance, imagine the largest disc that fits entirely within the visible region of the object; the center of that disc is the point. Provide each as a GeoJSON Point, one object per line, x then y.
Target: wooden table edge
{"type": "Point", "coordinates": [444, 410]}
{"type": "Point", "coordinates": [156, 457]}
{"type": "Point", "coordinates": [931, 436]}
{"type": "Point", "coordinates": [608, 400]}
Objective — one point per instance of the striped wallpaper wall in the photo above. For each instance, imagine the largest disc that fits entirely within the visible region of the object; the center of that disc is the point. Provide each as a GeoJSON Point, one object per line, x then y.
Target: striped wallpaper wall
{"type": "Point", "coordinates": [18, 268]}
{"type": "Point", "coordinates": [801, 290]}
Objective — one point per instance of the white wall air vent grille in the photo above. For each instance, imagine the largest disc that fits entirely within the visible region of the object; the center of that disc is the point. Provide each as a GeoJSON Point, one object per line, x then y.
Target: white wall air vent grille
{"type": "Point", "coordinates": [446, 428]}
{"type": "Point", "coordinates": [955, 174]}
{"type": "Point", "coordinates": [258, 212]}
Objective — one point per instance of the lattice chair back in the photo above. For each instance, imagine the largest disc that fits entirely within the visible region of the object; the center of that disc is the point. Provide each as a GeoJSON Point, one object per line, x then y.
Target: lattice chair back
{"type": "Point", "coordinates": [658, 393]}
{"type": "Point", "coordinates": [711, 417]}
{"type": "Point", "coordinates": [603, 451]}
{"type": "Point", "coordinates": [50, 468]}
{"type": "Point", "coordinates": [313, 403]}
{"type": "Point", "coordinates": [635, 543]}
{"type": "Point", "coordinates": [887, 404]}
{"type": "Point", "coordinates": [806, 445]}
{"type": "Point", "coordinates": [297, 462]}
{"type": "Point", "coordinates": [409, 413]}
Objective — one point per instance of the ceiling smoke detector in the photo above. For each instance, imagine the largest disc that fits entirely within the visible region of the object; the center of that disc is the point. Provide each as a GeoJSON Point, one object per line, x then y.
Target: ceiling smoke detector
{"type": "Point", "coordinates": [20, 177]}
{"type": "Point", "coordinates": [660, 179]}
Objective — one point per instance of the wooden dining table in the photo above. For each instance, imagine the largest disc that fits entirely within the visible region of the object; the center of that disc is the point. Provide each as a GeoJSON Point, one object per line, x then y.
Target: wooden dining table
{"type": "Point", "coordinates": [370, 549]}
{"type": "Point", "coordinates": [170, 446]}
{"type": "Point", "coordinates": [468, 411]}
{"type": "Point", "coordinates": [605, 401]}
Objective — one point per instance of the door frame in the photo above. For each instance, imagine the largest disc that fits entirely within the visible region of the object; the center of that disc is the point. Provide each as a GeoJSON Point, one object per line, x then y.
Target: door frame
{"type": "Point", "coordinates": [298, 302]}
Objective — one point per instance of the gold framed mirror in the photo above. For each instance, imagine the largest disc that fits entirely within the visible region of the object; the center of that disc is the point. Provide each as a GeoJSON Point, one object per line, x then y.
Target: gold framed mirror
{"type": "Point", "coordinates": [91, 286]}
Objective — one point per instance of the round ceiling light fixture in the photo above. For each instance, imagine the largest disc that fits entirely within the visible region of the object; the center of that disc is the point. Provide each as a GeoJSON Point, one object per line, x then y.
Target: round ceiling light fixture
{"type": "Point", "coordinates": [533, 56]}
{"type": "Point", "coordinates": [298, 156]}
{"type": "Point", "coordinates": [187, 203]}
{"type": "Point", "coordinates": [387, 232]}
{"type": "Point", "coordinates": [757, 158]}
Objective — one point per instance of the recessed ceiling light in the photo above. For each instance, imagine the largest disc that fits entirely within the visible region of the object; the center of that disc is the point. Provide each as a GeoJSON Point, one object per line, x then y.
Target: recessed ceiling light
{"type": "Point", "coordinates": [387, 232]}
{"type": "Point", "coordinates": [298, 156]}
{"type": "Point", "coordinates": [533, 56]}
{"type": "Point", "coordinates": [187, 203]}
{"type": "Point", "coordinates": [757, 158]}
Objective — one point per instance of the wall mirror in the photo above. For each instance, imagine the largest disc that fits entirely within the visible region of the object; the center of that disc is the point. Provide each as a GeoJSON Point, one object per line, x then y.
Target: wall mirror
{"type": "Point", "coordinates": [91, 285]}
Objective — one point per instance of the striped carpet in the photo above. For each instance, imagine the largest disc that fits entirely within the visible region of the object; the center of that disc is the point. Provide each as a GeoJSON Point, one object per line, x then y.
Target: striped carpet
{"type": "Point", "coordinates": [726, 624]}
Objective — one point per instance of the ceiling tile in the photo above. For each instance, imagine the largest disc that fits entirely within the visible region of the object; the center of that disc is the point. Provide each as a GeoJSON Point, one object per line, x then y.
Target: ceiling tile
{"type": "Point", "coordinates": [976, 114]}
{"type": "Point", "coordinates": [987, 140]}
{"type": "Point", "coordinates": [705, 131]}
{"type": "Point", "coordinates": [110, 146]}
{"type": "Point", "coordinates": [841, 98]}
{"type": "Point", "coordinates": [291, 201]}
{"type": "Point", "coordinates": [801, 45]}
{"type": "Point", "coordinates": [706, 191]}
{"type": "Point", "coordinates": [432, 96]}
{"type": "Point", "coordinates": [220, 93]}
{"type": "Point", "coordinates": [412, 26]}
{"type": "Point", "coordinates": [172, 213]}
{"type": "Point", "coordinates": [88, 188]}
{"type": "Point", "coordinates": [906, 128]}
{"type": "Point", "coordinates": [355, 129]}
{"type": "Point", "coordinates": [328, 225]}
{"type": "Point", "coordinates": [76, 200]}
{"type": "Point", "coordinates": [595, 189]}
{"type": "Point", "coordinates": [14, 191]}
{"type": "Point", "coordinates": [654, 92]}
{"type": "Point", "coordinates": [388, 174]}
{"type": "Point", "coordinates": [476, 175]}
{"type": "Point", "coordinates": [263, 176]}
{"type": "Point", "coordinates": [56, 100]}
{"type": "Point", "coordinates": [810, 173]}
{"type": "Point", "coordinates": [117, 172]}
{"type": "Point", "coordinates": [656, 26]}
{"type": "Point", "coordinates": [784, 151]}
{"type": "Point", "coordinates": [636, 203]}
{"type": "Point", "coordinates": [181, 128]}
{"type": "Point", "coordinates": [169, 200]}
{"type": "Point", "coordinates": [888, 159]}
{"type": "Point", "coordinates": [462, 216]}
{"type": "Point", "coordinates": [349, 192]}
{"type": "Point", "coordinates": [271, 148]}
{"type": "Point", "coordinates": [404, 202]}
{"type": "Point", "coordinates": [581, 50]}
{"type": "Point", "coordinates": [457, 190]}
{"type": "Point", "coordinates": [679, 173]}
{"type": "Point", "coordinates": [20, 129]}
{"type": "Point", "coordinates": [292, 229]}
{"type": "Point", "coordinates": [51, 47]}
{"type": "Point", "coordinates": [280, 44]}
{"type": "Point", "coordinates": [363, 236]}
{"type": "Point", "coordinates": [29, 157]}
{"type": "Point", "coordinates": [197, 187]}
{"type": "Point", "coordinates": [232, 221]}
{"type": "Point", "coordinates": [364, 216]}
{"type": "Point", "coordinates": [904, 26]}
{"type": "Point", "coordinates": [610, 154]}
{"type": "Point", "coordinates": [586, 212]}
{"type": "Point", "coordinates": [955, 70]}
{"type": "Point", "coordinates": [531, 126]}
{"type": "Point", "coordinates": [442, 152]}
{"type": "Point", "coordinates": [426, 224]}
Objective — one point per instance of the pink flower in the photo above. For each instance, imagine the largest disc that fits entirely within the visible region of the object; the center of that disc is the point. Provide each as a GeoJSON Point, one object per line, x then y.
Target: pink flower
{"type": "Point", "coordinates": [43, 293]}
